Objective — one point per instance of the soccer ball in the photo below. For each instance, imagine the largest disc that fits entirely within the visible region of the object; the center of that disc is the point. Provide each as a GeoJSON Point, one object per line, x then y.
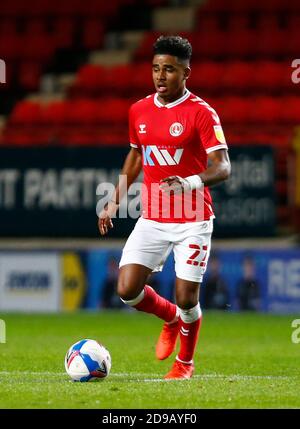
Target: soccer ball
{"type": "Point", "coordinates": [87, 360]}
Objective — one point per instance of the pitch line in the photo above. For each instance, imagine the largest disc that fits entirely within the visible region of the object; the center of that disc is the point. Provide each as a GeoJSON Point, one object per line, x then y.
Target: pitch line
{"type": "Point", "coordinates": [152, 378]}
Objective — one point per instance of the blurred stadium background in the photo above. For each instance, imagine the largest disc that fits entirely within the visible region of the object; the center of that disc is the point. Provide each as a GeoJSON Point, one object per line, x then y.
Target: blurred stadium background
{"type": "Point", "coordinates": [72, 70]}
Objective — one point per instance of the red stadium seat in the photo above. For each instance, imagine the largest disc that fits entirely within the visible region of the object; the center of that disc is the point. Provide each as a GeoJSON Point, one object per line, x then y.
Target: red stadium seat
{"type": "Point", "coordinates": [208, 45]}
{"type": "Point", "coordinates": [81, 112]}
{"type": "Point", "coordinates": [144, 51]}
{"type": "Point", "coordinates": [291, 109]}
{"type": "Point", "coordinates": [11, 46]}
{"type": "Point", "coordinates": [141, 79]}
{"type": "Point", "coordinates": [292, 45]}
{"type": "Point", "coordinates": [113, 111]}
{"type": "Point", "coordinates": [269, 75]}
{"type": "Point", "coordinates": [241, 43]}
{"type": "Point", "coordinates": [207, 22]}
{"type": "Point", "coordinates": [235, 110]}
{"type": "Point", "coordinates": [99, 9]}
{"type": "Point", "coordinates": [271, 43]}
{"type": "Point", "coordinates": [207, 75]}
{"type": "Point", "coordinates": [55, 113]}
{"type": "Point", "coordinates": [267, 22]}
{"type": "Point", "coordinates": [13, 9]}
{"type": "Point", "coordinates": [90, 77]}
{"type": "Point", "coordinates": [40, 48]}
{"type": "Point", "coordinates": [238, 22]}
{"type": "Point", "coordinates": [35, 26]}
{"type": "Point", "coordinates": [266, 110]}
{"type": "Point", "coordinates": [8, 27]}
{"type": "Point", "coordinates": [293, 22]}
{"type": "Point", "coordinates": [63, 32]}
{"type": "Point", "coordinates": [29, 74]}
{"type": "Point", "coordinates": [119, 78]}
{"type": "Point", "coordinates": [238, 75]}
{"type": "Point", "coordinates": [26, 113]}
{"type": "Point", "coordinates": [93, 33]}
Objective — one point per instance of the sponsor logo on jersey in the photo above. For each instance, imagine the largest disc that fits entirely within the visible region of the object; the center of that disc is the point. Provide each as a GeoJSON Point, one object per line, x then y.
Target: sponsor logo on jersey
{"type": "Point", "coordinates": [142, 129]}
{"type": "Point", "coordinates": [153, 156]}
{"type": "Point", "coordinates": [219, 134]}
{"type": "Point", "coordinates": [176, 129]}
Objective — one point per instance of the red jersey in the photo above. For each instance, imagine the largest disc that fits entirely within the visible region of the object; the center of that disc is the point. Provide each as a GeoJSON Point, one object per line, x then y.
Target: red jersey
{"type": "Point", "coordinates": [174, 140]}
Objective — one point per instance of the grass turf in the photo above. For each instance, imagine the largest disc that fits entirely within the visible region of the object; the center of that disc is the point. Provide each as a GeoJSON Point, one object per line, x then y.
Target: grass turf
{"type": "Point", "coordinates": [242, 361]}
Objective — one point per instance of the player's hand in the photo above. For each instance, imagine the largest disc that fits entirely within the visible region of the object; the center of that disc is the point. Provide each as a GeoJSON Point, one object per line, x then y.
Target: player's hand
{"type": "Point", "coordinates": [104, 221]}
{"type": "Point", "coordinates": [175, 184]}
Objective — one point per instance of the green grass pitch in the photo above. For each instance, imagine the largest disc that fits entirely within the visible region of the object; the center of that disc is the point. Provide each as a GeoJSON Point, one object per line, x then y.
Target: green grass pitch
{"type": "Point", "coordinates": [242, 361]}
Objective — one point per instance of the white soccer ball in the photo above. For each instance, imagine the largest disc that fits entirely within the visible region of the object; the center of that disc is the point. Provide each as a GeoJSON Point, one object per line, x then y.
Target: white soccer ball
{"type": "Point", "coordinates": [87, 360]}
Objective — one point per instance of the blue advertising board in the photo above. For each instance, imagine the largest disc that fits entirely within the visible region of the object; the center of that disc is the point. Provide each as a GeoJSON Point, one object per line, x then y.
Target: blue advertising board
{"type": "Point", "coordinates": [253, 280]}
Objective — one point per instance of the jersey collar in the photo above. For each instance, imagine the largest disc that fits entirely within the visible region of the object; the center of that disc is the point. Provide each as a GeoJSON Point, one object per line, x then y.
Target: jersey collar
{"type": "Point", "coordinates": [174, 103]}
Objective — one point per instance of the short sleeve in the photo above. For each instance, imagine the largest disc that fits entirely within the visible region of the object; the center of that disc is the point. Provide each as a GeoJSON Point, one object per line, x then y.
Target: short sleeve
{"type": "Point", "coordinates": [133, 138]}
{"type": "Point", "coordinates": [210, 129]}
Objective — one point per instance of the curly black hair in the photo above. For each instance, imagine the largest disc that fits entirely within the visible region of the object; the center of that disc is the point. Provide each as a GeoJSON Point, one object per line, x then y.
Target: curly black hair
{"type": "Point", "coordinates": [173, 45]}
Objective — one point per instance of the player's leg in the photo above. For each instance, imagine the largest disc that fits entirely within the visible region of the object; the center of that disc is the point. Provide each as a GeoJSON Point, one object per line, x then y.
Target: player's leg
{"type": "Point", "coordinates": [134, 291]}
{"type": "Point", "coordinates": [190, 317]}
{"type": "Point", "coordinates": [145, 251]}
{"type": "Point", "coordinates": [191, 255]}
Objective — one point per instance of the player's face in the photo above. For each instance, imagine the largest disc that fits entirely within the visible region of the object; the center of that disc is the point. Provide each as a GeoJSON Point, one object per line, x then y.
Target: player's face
{"type": "Point", "coordinates": [169, 77]}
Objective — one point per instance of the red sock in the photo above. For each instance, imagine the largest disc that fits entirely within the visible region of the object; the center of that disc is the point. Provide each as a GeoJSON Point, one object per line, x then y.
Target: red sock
{"type": "Point", "coordinates": [189, 333]}
{"type": "Point", "coordinates": [156, 304]}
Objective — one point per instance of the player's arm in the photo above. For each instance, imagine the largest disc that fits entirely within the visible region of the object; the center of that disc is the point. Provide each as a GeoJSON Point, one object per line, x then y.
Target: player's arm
{"type": "Point", "coordinates": [130, 171]}
{"type": "Point", "coordinates": [219, 168]}
{"type": "Point", "coordinates": [218, 171]}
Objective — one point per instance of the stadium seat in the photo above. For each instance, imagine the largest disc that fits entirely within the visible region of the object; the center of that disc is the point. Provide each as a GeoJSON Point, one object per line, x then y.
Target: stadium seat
{"type": "Point", "coordinates": [54, 113]}
{"type": "Point", "coordinates": [265, 110]}
{"type": "Point", "coordinates": [208, 45]}
{"type": "Point", "coordinates": [208, 23]}
{"type": "Point", "coordinates": [13, 9]}
{"type": "Point", "coordinates": [119, 78]}
{"type": "Point", "coordinates": [63, 32]}
{"type": "Point", "coordinates": [8, 27]}
{"type": "Point", "coordinates": [238, 22]}
{"type": "Point", "coordinates": [11, 46]}
{"type": "Point", "coordinates": [26, 113]}
{"type": "Point", "coordinates": [238, 75]}
{"type": "Point", "coordinates": [29, 74]}
{"type": "Point", "coordinates": [141, 79]}
{"type": "Point", "coordinates": [267, 22]}
{"type": "Point", "coordinates": [291, 109]}
{"type": "Point", "coordinates": [235, 110]}
{"type": "Point", "coordinates": [112, 111]}
{"type": "Point", "coordinates": [93, 32]}
{"type": "Point", "coordinates": [81, 112]}
{"type": "Point", "coordinates": [271, 43]}
{"type": "Point", "coordinates": [293, 21]}
{"type": "Point", "coordinates": [40, 48]}
{"type": "Point", "coordinates": [269, 75]}
{"type": "Point", "coordinates": [207, 75]}
{"type": "Point", "coordinates": [144, 51]}
{"type": "Point", "coordinates": [35, 27]}
{"type": "Point", "coordinates": [241, 44]}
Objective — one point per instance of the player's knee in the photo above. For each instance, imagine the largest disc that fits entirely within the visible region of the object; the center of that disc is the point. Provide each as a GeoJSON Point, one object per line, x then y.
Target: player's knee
{"type": "Point", "coordinates": [187, 301]}
{"type": "Point", "coordinates": [186, 304]}
{"type": "Point", "coordinates": [125, 290]}
{"type": "Point", "coordinates": [122, 290]}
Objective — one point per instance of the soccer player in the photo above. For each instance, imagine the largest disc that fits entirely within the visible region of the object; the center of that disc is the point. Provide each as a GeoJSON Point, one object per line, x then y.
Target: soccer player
{"type": "Point", "coordinates": [177, 139]}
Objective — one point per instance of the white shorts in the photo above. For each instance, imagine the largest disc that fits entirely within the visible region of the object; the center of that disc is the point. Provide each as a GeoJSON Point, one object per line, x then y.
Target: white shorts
{"type": "Point", "coordinates": [151, 242]}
